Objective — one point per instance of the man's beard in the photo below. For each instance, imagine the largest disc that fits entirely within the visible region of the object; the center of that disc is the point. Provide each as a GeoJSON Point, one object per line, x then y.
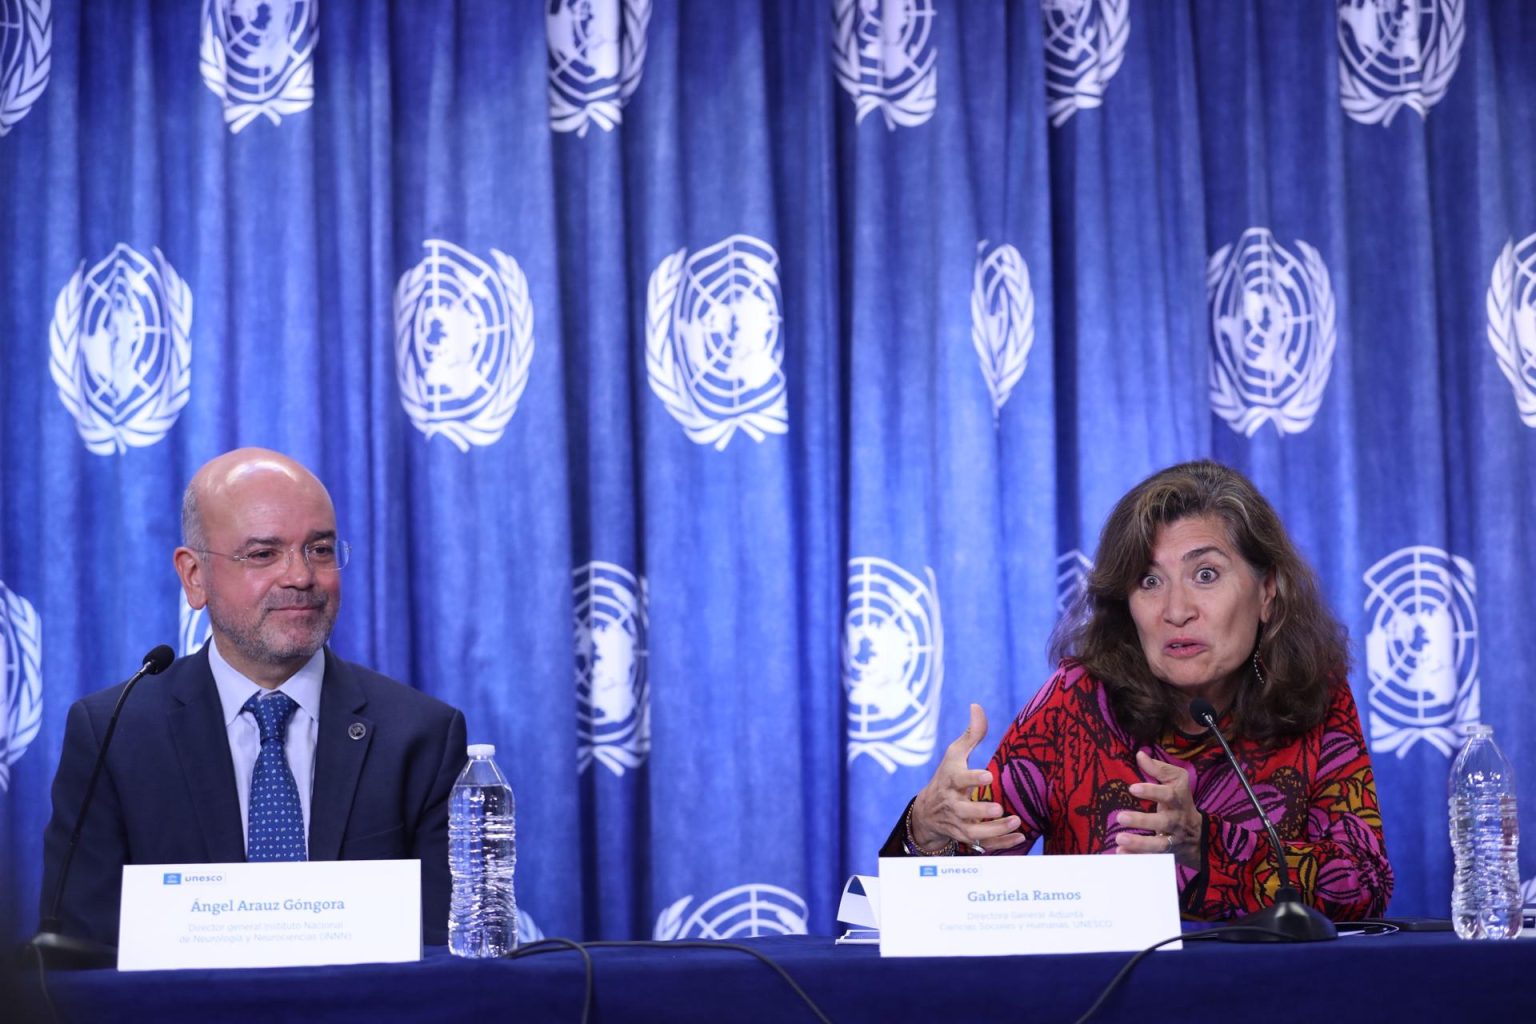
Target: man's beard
{"type": "Point", "coordinates": [277, 650]}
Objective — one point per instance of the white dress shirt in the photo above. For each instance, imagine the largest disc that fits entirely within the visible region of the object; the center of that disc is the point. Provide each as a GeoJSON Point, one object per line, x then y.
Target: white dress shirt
{"type": "Point", "coordinates": [245, 735]}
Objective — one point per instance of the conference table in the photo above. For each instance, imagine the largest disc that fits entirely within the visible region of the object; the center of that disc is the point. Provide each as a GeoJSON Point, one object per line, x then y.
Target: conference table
{"type": "Point", "coordinates": [1408, 976]}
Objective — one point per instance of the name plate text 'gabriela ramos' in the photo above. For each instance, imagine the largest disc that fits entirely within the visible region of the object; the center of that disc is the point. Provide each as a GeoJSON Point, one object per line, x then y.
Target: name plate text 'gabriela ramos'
{"type": "Point", "coordinates": [995, 906]}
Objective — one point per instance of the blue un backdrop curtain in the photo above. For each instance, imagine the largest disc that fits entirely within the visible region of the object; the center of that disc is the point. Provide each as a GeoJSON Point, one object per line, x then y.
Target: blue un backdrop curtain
{"type": "Point", "coordinates": [721, 396]}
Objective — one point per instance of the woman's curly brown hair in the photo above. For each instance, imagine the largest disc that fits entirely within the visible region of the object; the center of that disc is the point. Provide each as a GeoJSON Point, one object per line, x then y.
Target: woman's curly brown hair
{"type": "Point", "coordinates": [1302, 647]}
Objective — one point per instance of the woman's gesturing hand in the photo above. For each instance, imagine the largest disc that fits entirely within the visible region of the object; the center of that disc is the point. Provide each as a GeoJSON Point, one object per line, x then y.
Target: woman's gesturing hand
{"type": "Point", "coordinates": [1175, 825]}
{"type": "Point", "coordinates": [945, 810]}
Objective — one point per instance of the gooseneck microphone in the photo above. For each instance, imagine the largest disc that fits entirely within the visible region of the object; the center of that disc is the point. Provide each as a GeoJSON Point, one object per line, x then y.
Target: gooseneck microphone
{"type": "Point", "coordinates": [56, 948]}
{"type": "Point", "coordinates": [1288, 919]}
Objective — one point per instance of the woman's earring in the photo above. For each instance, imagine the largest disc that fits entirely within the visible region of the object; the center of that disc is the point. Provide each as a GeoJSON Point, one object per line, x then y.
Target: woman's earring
{"type": "Point", "coordinates": [1257, 669]}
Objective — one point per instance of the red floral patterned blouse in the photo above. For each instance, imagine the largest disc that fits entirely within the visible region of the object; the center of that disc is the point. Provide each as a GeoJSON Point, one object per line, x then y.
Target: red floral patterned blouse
{"type": "Point", "coordinates": [1064, 767]}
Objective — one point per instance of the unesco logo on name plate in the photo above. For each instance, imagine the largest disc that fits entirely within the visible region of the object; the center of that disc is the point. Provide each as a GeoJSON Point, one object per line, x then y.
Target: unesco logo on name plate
{"type": "Point", "coordinates": [893, 663]}
{"type": "Point", "coordinates": [177, 878]}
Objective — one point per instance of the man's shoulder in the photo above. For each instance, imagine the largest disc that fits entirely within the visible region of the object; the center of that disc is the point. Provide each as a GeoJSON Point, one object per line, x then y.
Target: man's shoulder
{"type": "Point", "coordinates": [384, 693]}
{"type": "Point", "coordinates": [149, 690]}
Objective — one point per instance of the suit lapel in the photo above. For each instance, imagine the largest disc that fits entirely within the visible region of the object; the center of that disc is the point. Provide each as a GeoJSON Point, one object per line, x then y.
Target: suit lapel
{"type": "Point", "coordinates": [340, 750]}
{"type": "Point", "coordinates": [196, 722]}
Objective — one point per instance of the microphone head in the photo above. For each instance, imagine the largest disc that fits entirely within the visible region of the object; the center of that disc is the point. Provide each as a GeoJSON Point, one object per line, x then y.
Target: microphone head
{"type": "Point", "coordinates": [158, 660]}
{"type": "Point", "coordinates": [1202, 711]}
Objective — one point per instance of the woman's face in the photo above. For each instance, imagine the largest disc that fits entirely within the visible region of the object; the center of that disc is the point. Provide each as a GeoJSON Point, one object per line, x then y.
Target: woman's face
{"type": "Point", "coordinates": [1197, 608]}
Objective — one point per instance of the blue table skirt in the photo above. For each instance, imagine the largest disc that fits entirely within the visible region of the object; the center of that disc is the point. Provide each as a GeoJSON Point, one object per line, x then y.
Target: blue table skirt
{"type": "Point", "coordinates": [1399, 978]}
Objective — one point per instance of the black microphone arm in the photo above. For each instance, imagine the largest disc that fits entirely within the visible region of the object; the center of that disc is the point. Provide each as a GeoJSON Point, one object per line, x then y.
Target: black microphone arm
{"type": "Point", "coordinates": [1288, 919]}
{"type": "Point", "coordinates": [56, 948]}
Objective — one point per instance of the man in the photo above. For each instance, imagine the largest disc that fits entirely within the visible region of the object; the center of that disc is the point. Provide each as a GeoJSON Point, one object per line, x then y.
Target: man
{"type": "Point", "coordinates": [263, 745]}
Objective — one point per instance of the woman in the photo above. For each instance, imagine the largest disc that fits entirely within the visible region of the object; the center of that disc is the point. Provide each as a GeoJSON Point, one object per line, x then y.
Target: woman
{"type": "Point", "coordinates": [1196, 592]}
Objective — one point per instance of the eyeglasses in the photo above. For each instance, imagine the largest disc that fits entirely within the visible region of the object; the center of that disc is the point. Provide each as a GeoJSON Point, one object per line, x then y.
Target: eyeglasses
{"type": "Point", "coordinates": [320, 555]}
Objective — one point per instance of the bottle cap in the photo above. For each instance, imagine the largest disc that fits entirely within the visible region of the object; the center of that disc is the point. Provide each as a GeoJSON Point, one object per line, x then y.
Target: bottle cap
{"type": "Point", "coordinates": [482, 750]}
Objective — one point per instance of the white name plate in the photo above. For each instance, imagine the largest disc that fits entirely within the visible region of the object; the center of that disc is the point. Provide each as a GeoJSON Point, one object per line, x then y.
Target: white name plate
{"type": "Point", "coordinates": [996, 906]}
{"type": "Point", "coordinates": [282, 914]}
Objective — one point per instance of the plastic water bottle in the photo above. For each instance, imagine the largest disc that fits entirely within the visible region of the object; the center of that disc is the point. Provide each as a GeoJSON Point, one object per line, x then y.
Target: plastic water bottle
{"type": "Point", "coordinates": [1485, 838]}
{"type": "Point", "coordinates": [482, 853]}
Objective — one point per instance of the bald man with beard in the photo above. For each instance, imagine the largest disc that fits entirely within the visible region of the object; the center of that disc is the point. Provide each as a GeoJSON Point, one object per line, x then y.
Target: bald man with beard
{"type": "Point", "coordinates": [372, 760]}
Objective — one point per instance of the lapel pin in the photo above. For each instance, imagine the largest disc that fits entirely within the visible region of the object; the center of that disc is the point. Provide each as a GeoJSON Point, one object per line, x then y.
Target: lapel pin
{"type": "Point", "coordinates": [357, 730]}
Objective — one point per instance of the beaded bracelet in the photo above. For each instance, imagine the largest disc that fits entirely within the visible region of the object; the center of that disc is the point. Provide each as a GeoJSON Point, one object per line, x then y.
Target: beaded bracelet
{"type": "Point", "coordinates": [911, 847]}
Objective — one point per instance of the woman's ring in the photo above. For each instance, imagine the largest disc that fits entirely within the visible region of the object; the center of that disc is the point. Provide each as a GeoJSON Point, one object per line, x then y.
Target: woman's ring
{"type": "Point", "coordinates": [1169, 837]}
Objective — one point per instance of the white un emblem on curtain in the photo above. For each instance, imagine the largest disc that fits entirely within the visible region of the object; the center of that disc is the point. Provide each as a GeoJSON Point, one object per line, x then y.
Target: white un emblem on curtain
{"type": "Point", "coordinates": [1072, 569]}
{"type": "Point", "coordinates": [463, 343]}
{"type": "Point", "coordinates": [594, 64]}
{"type": "Point", "coordinates": [1084, 46]}
{"type": "Point", "coordinates": [1512, 321]}
{"type": "Point", "coordinates": [885, 57]}
{"type": "Point", "coordinates": [713, 342]}
{"type": "Point", "coordinates": [1421, 650]}
{"type": "Point", "coordinates": [257, 56]}
{"type": "Point", "coordinates": [528, 930]}
{"type": "Point", "coordinates": [119, 349]}
{"type": "Point", "coordinates": [1397, 53]}
{"type": "Point", "coordinates": [21, 679]}
{"type": "Point", "coordinates": [1002, 320]}
{"type": "Point", "coordinates": [1273, 332]}
{"type": "Point", "coordinates": [26, 57]}
{"type": "Point", "coordinates": [613, 701]}
{"type": "Point", "coordinates": [893, 663]}
{"type": "Point", "coordinates": [744, 910]}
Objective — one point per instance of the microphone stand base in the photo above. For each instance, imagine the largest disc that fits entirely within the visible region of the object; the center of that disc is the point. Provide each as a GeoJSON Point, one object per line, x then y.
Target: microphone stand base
{"type": "Point", "coordinates": [1286, 920]}
{"type": "Point", "coordinates": [67, 953]}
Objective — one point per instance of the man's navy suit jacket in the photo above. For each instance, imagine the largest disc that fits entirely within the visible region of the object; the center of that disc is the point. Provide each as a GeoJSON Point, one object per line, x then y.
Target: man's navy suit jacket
{"type": "Point", "coordinates": [167, 794]}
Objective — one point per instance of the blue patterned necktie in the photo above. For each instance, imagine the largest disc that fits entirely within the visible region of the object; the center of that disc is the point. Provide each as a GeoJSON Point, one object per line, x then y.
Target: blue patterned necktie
{"type": "Point", "coordinates": [275, 822]}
